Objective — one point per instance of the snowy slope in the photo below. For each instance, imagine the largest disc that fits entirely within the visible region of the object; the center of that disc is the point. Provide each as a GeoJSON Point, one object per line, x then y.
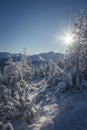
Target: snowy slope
{"type": "Point", "coordinates": [66, 111]}
{"type": "Point", "coordinates": [56, 111]}
{"type": "Point", "coordinates": [47, 56]}
{"type": "Point", "coordinates": [42, 56]}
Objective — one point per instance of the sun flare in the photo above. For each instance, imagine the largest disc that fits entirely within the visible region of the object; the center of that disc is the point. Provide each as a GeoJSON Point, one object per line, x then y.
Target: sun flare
{"type": "Point", "coordinates": [68, 39]}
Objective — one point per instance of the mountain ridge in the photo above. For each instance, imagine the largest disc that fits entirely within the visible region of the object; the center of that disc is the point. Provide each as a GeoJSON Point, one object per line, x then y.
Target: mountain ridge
{"type": "Point", "coordinates": [36, 59]}
{"type": "Point", "coordinates": [42, 56]}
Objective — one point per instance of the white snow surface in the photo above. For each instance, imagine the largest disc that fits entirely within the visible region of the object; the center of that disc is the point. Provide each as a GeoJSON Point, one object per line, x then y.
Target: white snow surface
{"type": "Point", "coordinates": [66, 111]}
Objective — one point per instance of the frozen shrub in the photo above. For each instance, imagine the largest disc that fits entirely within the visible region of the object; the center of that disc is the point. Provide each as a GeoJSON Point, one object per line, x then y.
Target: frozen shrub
{"type": "Point", "coordinates": [29, 117]}
{"type": "Point", "coordinates": [12, 115]}
{"type": "Point", "coordinates": [61, 88]}
{"type": "Point", "coordinates": [8, 126]}
{"type": "Point", "coordinates": [1, 125]}
{"type": "Point", "coordinates": [32, 114]}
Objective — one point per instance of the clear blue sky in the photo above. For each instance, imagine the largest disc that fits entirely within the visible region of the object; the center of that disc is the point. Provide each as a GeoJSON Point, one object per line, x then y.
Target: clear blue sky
{"type": "Point", "coordinates": [33, 24]}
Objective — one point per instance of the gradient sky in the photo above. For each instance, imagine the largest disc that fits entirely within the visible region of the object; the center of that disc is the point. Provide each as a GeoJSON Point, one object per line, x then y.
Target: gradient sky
{"type": "Point", "coordinates": [34, 23]}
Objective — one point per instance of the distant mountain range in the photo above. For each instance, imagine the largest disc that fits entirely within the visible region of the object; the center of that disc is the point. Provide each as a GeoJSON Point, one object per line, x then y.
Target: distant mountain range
{"type": "Point", "coordinates": [47, 56]}
{"type": "Point", "coordinates": [36, 59]}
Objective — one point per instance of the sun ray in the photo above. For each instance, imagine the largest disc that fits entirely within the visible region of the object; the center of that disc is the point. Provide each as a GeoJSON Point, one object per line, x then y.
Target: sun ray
{"type": "Point", "coordinates": [67, 39]}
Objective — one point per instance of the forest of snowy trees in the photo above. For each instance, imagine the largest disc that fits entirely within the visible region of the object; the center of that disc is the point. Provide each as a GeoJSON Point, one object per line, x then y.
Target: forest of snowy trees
{"type": "Point", "coordinates": [19, 80]}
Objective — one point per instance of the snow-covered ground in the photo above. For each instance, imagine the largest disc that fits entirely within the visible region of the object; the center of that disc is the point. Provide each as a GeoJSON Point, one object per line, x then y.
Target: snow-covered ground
{"type": "Point", "coordinates": [66, 111]}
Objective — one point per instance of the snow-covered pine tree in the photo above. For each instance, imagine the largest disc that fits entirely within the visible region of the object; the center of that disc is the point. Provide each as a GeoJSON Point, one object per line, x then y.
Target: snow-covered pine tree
{"type": "Point", "coordinates": [26, 65]}
{"type": "Point", "coordinates": [76, 56]}
{"type": "Point", "coordinates": [14, 91]}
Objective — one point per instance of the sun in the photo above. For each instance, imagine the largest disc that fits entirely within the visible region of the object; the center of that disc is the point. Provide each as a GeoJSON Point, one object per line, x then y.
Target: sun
{"type": "Point", "coordinates": [68, 39]}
